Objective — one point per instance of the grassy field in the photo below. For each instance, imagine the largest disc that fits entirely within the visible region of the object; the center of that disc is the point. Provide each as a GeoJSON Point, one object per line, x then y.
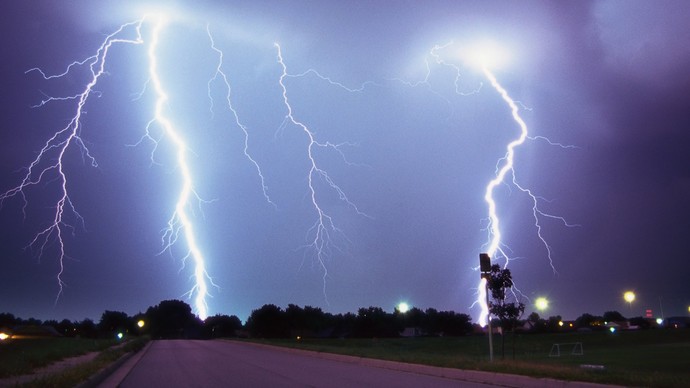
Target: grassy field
{"type": "Point", "coordinates": [22, 356]}
{"type": "Point", "coordinates": [654, 358]}
{"type": "Point", "coordinates": [19, 357]}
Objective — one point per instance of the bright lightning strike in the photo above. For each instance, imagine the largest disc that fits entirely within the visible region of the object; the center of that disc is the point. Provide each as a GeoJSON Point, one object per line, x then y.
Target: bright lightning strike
{"type": "Point", "coordinates": [49, 165]}
{"type": "Point", "coordinates": [504, 167]}
{"type": "Point", "coordinates": [508, 161]}
{"type": "Point", "coordinates": [180, 222]}
{"type": "Point", "coordinates": [324, 227]}
{"type": "Point", "coordinates": [483, 56]}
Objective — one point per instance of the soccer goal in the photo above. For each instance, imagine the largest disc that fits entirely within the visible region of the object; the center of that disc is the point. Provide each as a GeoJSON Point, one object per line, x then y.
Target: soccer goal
{"type": "Point", "coordinates": [575, 349]}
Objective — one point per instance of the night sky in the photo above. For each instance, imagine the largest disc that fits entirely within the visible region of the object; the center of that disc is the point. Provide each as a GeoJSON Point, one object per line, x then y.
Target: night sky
{"type": "Point", "coordinates": [417, 146]}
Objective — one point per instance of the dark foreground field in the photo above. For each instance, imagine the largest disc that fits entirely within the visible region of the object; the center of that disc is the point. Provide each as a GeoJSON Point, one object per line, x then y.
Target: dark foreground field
{"type": "Point", "coordinates": [655, 358]}
{"type": "Point", "coordinates": [26, 356]}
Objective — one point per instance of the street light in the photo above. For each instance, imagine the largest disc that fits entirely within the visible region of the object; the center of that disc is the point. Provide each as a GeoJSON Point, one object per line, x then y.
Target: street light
{"type": "Point", "coordinates": [629, 296]}
{"type": "Point", "coordinates": [541, 303]}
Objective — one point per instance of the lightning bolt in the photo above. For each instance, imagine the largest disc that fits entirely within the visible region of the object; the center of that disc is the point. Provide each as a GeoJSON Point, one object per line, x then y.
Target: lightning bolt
{"type": "Point", "coordinates": [180, 222]}
{"type": "Point", "coordinates": [504, 167]}
{"type": "Point", "coordinates": [504, 173]}
{"type": "Point", "coordinates": [324, 228]}
{"type": "Point", "coordinates": [49, 165]}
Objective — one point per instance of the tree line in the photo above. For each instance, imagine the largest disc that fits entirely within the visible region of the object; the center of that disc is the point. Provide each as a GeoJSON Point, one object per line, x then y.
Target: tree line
{"type": "Point", "coordinates": [271, 321]}
{"type": "Point", "coordinates": [174, 319]}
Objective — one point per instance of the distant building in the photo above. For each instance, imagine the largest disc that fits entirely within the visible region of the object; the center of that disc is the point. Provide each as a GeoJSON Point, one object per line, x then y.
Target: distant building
{"type": "Point", "coordinates": [677, 322]}
{"type": "Point", "coordinates": [412, 332]}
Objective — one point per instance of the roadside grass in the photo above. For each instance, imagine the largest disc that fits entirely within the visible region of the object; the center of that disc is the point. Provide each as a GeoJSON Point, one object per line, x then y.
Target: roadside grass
{"type": "Point", "coordinates": [71, 377]}
{"type": "Point", "coordinates": [22, 356]}
{"type": "Point", "coordinates": [653, 358]}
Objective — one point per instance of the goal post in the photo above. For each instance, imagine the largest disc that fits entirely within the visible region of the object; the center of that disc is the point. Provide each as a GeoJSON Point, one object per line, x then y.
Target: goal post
{"type": "Point", "coordinates": [573, 349]}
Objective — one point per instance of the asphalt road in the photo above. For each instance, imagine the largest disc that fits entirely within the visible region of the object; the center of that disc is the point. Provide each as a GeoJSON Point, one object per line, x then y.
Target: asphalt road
{"type": "Point", "coordinates": [189, 363]}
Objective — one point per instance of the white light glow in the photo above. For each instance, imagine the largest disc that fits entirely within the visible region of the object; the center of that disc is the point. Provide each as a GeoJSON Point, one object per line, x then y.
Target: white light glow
{"type": "Point", "coordinates": [629, 296]}
{"type": "Point", "coordinates": [486, 54]}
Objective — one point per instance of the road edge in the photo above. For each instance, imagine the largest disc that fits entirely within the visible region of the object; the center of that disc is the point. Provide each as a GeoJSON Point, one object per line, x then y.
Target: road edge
{"type": "Point", "coordinates": [115, 373]}
{"type": "Point", "coordinates": [474, 376]}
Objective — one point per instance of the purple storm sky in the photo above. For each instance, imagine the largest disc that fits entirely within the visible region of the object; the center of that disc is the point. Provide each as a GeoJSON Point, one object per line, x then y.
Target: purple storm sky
{"type": "Point", "coordinates": [610, 78]}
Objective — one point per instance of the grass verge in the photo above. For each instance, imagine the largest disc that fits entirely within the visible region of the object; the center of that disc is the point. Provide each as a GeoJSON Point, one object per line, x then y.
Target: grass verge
{"type": "Point", "coordinates": [20, 357]}
{"type": "Point", "coordinates": [71, 377]}
{"type": "Point", "coordinates": [653, 358]}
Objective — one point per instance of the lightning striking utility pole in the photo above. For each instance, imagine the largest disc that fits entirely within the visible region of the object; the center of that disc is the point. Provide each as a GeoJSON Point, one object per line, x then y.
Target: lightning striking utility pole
{"type": "Point", "coordinates": [504, 167]}
{"type": "Point", "coordinates": [480, 56]}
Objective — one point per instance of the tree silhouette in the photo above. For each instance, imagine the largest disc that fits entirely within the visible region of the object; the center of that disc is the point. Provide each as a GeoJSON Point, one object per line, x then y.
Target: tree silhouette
{"type": "Point", "coordinates": [500, 282]}
{"type": "Point", "coordinates": [113, 322]}
{"type": "Point", "coordinates": [613, 316]}
{"type": "Point", "coordinates": [173, 319]}
{"type": "Point", "coordinates": [373, 322]}
{"type": "Point", "coordinates": [219, 326]}
{"type": "Point", "coordinates": [589, 321]}
{"type": "Point", "coordinates": [269, 321]}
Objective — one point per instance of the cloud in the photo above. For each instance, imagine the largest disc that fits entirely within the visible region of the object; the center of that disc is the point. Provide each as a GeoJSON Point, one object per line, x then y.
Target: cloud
{"type": "Point", "coordinates": [645, 40]}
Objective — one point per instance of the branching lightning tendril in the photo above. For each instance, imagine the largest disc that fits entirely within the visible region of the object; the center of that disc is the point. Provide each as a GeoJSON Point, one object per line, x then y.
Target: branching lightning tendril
{"type": "Point", "coordinates": [324, 227]}
{"type": "Point", "coordinates": [49, 164]}
{"type": "Point", "coordinates": [220, 73]}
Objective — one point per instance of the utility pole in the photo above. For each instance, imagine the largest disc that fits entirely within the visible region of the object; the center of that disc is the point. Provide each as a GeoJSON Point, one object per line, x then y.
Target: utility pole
{"type": "Point", "coordinates": [485, 269]}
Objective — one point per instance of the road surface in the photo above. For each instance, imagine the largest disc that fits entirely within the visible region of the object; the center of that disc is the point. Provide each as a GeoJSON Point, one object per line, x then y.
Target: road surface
{"type": "Point", "coordinates": [190, 363]}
